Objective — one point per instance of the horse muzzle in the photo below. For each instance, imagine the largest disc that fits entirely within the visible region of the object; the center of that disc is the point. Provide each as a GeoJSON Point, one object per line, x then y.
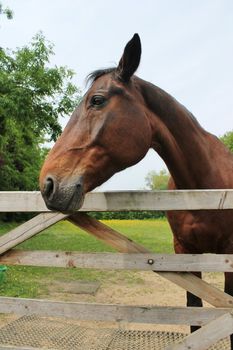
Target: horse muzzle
{"type": "Point", "coordinates": [65, 196]}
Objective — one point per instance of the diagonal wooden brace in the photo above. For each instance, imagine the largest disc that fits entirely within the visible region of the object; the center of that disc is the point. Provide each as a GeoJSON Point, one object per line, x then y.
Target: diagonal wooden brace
{"type": "Point", "coordinates": [208, 335]}
{"type": "Point", "coordinates": [28, 229]}
{"type": "Point", "coordinates": [123, 244]}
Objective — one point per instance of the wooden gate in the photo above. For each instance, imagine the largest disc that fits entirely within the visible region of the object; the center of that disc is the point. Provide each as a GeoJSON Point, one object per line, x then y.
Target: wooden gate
{"type": "Point", "coordinates": [175, 268]}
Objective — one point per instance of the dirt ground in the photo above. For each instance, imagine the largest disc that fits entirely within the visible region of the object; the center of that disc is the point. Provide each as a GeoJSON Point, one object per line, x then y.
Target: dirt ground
{"type": "Point", "coordinates": [147, 288]}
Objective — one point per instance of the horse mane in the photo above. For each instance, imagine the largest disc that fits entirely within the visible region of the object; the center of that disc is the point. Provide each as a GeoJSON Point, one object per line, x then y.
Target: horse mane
{"type": "Point", "coordinates": [93, 76]}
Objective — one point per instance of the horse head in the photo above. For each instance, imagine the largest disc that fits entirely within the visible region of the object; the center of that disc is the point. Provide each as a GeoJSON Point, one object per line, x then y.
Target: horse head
{"type": "Point", "coordinates": [108, 132]}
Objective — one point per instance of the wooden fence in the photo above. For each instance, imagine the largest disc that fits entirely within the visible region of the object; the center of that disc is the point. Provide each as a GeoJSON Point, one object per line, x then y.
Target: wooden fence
{"type": "Point", "coordinates": [174, 268]}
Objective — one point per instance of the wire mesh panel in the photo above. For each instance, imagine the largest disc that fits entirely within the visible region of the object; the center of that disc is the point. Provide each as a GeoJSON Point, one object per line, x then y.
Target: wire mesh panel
{"type": "Point", "coordinates": [131, 340]}
{"type": "Point", "coordinates": [37, 332]}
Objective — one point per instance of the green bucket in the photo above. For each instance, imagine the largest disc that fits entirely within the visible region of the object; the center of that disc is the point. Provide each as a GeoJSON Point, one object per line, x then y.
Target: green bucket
{"type": "Point", "coordinates": [2, 273]}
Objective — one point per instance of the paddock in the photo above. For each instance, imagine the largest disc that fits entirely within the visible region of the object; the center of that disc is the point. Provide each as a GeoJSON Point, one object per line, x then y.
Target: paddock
{"type": "Point", "coordinates": [131, 256]}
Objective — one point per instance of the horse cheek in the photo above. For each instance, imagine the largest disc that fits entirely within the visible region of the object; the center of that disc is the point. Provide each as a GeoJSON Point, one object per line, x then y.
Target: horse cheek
{"type": "Point", "coordinates": [132, 148]}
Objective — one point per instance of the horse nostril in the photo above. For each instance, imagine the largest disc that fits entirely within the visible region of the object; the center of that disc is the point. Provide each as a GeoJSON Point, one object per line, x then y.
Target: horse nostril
{"type": "Point", "coordinates": [49, 187]}
{"type": "Point", "coordinates": [78, 186]}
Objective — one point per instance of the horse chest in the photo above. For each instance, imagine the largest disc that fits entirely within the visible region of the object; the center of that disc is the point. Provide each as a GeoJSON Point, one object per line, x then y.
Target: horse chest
{"type": "Point", "coordinates": [202, 231]}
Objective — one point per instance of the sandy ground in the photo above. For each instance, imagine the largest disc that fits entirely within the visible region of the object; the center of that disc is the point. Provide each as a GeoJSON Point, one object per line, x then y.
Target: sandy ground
{"type": "Point", "coordinates": [147, 288]}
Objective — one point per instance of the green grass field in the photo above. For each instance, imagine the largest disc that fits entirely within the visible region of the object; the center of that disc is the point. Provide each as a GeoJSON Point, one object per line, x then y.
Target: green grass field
{"type": "Point", "coordinates": [32, 282]}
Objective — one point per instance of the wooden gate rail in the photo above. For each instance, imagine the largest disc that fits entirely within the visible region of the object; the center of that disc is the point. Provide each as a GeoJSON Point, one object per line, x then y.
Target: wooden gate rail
{"type": "Point", "coordinates": [126, 200]}
{"type": "Point", "coordinates": [121, 261]}
{"type": "Point", "coordinates": [162, 264]}
{"type": "Point", "coordinates": [112, 312]}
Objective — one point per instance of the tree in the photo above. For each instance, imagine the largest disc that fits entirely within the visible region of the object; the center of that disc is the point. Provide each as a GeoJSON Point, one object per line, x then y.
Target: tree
{"type": "Point", "coordinates": [6, 11]}
{"type": "Point", "coordinates": [32, 97]}
{"type": "Point", "coordinates": [227, 139]}
{"type": "Point", "coordinates": [157, 181]}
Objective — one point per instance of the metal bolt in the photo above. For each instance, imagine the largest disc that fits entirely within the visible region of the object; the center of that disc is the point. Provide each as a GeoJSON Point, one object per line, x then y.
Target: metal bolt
{"type": "Point", "coordinates": [150, 261]}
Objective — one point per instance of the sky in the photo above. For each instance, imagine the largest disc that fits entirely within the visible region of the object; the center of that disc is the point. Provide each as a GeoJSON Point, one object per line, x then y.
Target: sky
{"type": "Point", "coordinates": [187, 50]}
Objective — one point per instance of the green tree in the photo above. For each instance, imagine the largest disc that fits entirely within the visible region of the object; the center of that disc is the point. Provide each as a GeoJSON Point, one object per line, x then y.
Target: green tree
{"type": "Point", "coordinates": [6, 11]}
{"type": "Point", "coordinates": [33, 94]}
{"type": "Point", "coordinates": [157, 180]}
{"type": "Point", "coordinates": [227, 139]}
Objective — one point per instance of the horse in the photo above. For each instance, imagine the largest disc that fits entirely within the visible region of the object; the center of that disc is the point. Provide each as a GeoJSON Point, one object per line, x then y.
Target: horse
{"type": "Point", "coordinates": [118, 120]}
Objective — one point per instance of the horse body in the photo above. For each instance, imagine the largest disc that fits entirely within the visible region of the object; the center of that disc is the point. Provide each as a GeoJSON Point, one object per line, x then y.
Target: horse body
{"type": "Point", "coordinates": [119, 119]}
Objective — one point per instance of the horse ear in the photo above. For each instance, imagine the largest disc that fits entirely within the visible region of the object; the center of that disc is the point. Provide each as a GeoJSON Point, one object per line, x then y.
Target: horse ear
{"type": "Point", "coordinates": [130, 59]}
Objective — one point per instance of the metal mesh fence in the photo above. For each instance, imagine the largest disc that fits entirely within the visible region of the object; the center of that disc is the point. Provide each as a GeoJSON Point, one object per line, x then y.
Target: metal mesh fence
{"type": "Point", "coordinates": [37, 332]}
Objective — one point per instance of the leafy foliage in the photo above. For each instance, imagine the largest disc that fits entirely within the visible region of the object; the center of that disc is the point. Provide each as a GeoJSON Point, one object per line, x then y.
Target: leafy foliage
{"type": "Point", "coordinates": [227, 139]}
{"type": "Point", "coordinates": [33, 94]}
{"type": "Point", "coordinates": [127, 215]}
{"type": "Point", "coordinates": [6, 11]}
{"type": "Point", "coordinates": [157, 181]}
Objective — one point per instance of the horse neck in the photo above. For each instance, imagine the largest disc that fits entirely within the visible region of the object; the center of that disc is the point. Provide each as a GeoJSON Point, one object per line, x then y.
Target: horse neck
{"type": "Point", "coordinates": [186, 148]}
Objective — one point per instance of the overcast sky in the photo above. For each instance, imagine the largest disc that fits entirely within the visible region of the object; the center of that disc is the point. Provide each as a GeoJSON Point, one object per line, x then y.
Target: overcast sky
{"type": "Point", "coordinates": [187, 49]}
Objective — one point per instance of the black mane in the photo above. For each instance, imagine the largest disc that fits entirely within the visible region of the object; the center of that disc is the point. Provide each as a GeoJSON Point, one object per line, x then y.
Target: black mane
{"type": "Point", "coordinates": [93, 76]}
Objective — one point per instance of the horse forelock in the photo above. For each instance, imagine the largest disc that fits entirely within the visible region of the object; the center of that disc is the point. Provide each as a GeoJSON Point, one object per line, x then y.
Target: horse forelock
{"type": "Point", "coordinates": [93, 76]}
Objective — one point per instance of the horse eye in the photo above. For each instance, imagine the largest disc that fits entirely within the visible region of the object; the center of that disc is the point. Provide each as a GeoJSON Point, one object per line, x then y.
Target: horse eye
{"type": "Point", "coordinates": [97, 100]}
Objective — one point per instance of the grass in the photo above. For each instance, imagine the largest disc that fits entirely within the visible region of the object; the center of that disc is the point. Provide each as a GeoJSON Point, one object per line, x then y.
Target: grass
{"type": "Point", "coordinates": [31, 282]}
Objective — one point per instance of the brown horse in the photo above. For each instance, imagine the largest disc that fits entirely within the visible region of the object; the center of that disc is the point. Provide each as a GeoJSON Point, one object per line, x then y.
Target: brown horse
{"type": "Point", "coordinates": [120, 117]}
